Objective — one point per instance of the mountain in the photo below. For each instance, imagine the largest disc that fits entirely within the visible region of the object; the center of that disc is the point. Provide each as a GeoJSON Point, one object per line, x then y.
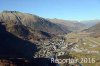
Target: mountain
{"type": "Point", "coordinates": [90, 23]}
{"type": "Point", "coordinates": [95, 30]}
{"type": "Point", "coordinates": [15, 19]}
{"type": "Point", "coordinates": [14, 47]}
{"type": "Point", "coordinates": [15, 51]}
{"type": "Point", "coordinates": [67, 24]}
{"type": "Point", "coordinates": [19, 31]}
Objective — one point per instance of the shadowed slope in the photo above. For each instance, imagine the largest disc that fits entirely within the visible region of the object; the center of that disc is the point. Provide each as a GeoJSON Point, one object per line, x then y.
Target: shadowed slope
{"type": "Point", "coordinates": [12, 46]}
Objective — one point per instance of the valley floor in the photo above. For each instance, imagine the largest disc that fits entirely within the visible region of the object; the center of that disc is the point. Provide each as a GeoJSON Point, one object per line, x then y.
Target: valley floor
{"type": "Point", "coordinates": [86, 48]}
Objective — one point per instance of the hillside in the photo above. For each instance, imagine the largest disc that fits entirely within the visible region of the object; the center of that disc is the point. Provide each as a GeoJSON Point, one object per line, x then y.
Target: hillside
{"type": "Point", "coordinates": [11, 18]}
{"type": "Point", "coordinates": [26, 33]}
{"type": "Point", "coordinates": [90, 23]}
{"type": "Point", "coordinates": [70, 25]}
{"type": "Point", "coordinates": [95, 30]}
{"type": "Point", "coordinates": [14, 47]}
{"type": "Point", "coordinates": [21, 34]}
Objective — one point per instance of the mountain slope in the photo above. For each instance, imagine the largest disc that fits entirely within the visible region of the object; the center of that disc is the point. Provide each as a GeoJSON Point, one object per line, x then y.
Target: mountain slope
{"type": "Point", "coordinates": [32, 21]}
{"type": "Point", "coordinates": [90, 23]}
{"type": "Point", "coordinates": [14, 47]}
{"type": "Point", "coordinates": [67, 24]}
{"type": "Point", "coordinates": [95, 30]}
{"type": "Point", "coordinates": [25, 33]}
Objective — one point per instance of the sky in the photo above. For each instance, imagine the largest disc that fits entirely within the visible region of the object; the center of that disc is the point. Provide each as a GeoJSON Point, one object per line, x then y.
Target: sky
{"type": "Point", "coordinates": [61, 9]}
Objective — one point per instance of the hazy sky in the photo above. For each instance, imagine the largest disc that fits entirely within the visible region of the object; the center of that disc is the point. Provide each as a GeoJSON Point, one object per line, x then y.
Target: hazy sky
{"type": "Point", "coordinates": [63, 9]}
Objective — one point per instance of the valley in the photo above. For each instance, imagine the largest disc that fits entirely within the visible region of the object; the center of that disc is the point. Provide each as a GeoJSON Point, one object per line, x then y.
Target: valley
{"type": "Point", "coordinates": [31, 37]}
{"type": "Point", "coordinates": [85, 47]}
{"type": "Point", "coordinates": [73, 45]}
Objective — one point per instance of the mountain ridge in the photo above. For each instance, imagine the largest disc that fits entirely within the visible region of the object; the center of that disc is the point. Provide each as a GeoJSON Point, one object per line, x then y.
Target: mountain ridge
{"type": "Point", "coordinates": [32, 21]}
{"type": "Point", "coordinates": [68, 24]}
